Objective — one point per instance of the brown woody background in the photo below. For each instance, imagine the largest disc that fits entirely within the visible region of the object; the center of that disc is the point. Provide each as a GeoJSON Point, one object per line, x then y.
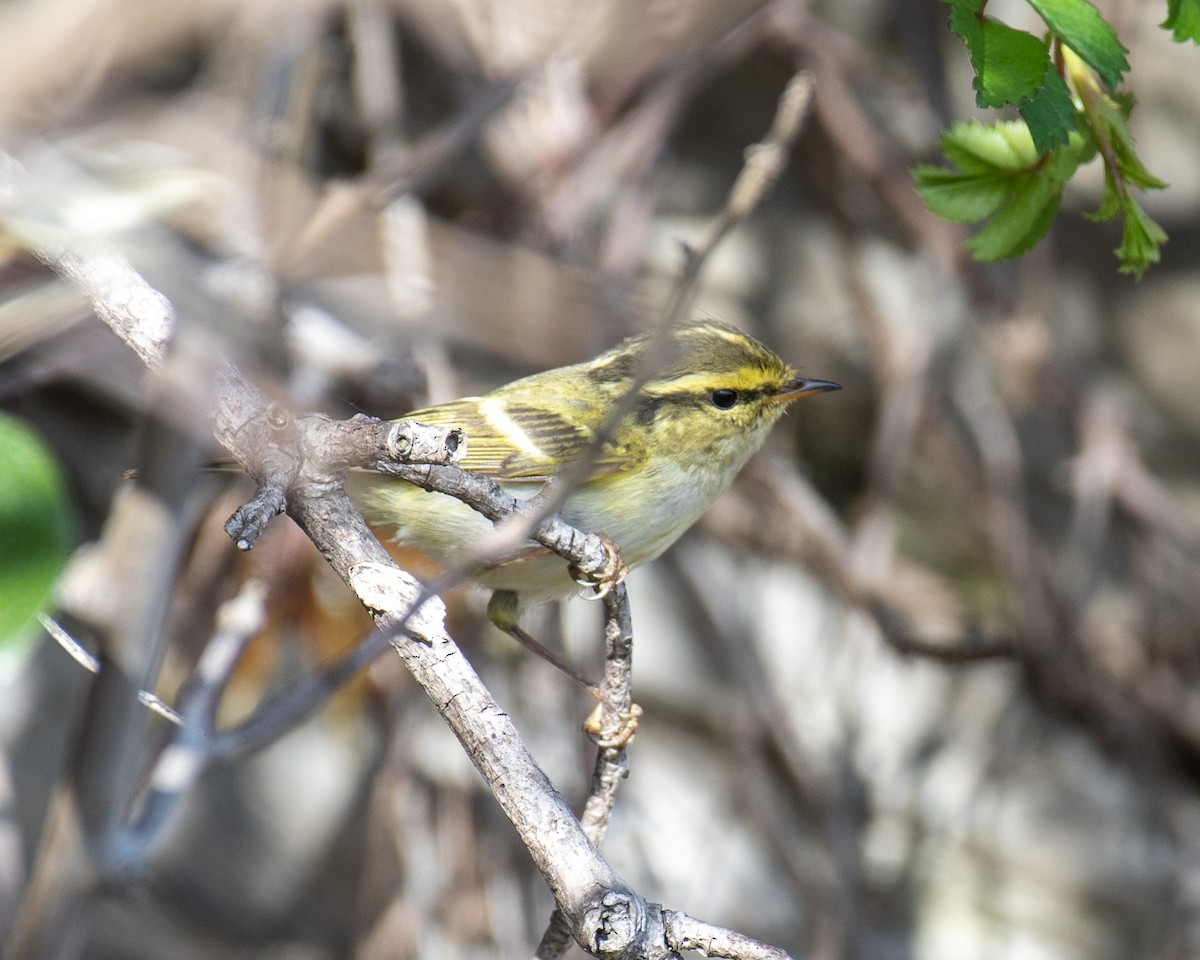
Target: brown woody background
{"type": "Point", "coordinates": [925, 684]}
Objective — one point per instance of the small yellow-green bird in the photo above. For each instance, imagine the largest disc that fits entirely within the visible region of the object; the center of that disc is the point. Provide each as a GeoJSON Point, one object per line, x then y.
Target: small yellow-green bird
{"type": "Point", "coordinates": [691, 428]}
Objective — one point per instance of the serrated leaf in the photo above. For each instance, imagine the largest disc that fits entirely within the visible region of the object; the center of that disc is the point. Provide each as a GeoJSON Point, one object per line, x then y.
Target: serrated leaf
{"type": "Point", "coordinates": [1079, 25]}
{"type": "Point", "coordinates": [1015, 172]}
{"type": "Point", "coordinates": [966, 21]}
{"type": "Point", "coordinates": [976, 147]}
{"type": "Point", "coordinates": [1128, 162]}
{"type": "Point", "coordinates": [1049, 113]}
{"type": "Point", "coordinates": [1183, 20]}
{"type": "Point", "coordinates": [1110, 203]}
{"type": "Point", "coordinates": [1140, 241]}
{"type": "Point", "coordinates": [1021, 221]}
{"type": "Point", "coordinates": [1001, 173]}
{"type": "Point", "coordinates": [962, 198]}
{"type": "Point", "coordinates": [1009, 64]}
{"type": "Point", "coordinates": [35, 527]}
{"type": "Point", "coordinates": [1106, 119]}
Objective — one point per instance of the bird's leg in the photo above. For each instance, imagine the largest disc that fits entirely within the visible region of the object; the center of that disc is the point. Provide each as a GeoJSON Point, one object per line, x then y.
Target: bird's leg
{"type": "Point", "coordinates": [502, 610]}
{"type": "Point", "coordinates": [601, 581]}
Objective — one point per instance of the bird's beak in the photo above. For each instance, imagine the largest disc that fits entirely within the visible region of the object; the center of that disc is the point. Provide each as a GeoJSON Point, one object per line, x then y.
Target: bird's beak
{"type": "Point", "coordinates": [801, 387]}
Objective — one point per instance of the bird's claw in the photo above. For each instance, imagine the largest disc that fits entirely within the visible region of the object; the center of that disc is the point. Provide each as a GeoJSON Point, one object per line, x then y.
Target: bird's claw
{"type": "Point", "coordinates": [602, 581]}
{"type": "Point", "coordinates": [606, 738]}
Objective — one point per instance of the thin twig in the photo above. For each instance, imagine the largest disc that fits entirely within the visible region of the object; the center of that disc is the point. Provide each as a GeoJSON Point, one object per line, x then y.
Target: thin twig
{"type": "Point", "coordinates": [764, 163]}
{"type": "Point", "coordinates": [91, 664]}
{"type": "Point", "coordinates": [186, 755]}
{"type": "Point", "coordinates": [688, 933]}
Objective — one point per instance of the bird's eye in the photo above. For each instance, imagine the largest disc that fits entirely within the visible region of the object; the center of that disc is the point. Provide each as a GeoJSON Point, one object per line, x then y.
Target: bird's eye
{"type": "Point", "coordinates": [723, 398]}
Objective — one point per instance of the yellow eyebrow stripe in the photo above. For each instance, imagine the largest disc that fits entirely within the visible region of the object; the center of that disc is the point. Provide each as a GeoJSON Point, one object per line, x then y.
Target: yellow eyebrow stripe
{"type": "Point", "coordinates": [746, 377]}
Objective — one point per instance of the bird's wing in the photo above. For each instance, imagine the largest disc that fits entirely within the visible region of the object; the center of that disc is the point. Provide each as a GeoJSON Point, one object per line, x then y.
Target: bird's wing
{"type": "Point", "coordinates": [509, 440]}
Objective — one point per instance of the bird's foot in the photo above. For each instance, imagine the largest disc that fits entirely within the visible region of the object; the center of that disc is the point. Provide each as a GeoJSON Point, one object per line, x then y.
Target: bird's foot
{"type": "Point", "coordinates": [607, 574]}
{"type": "Point", "coordinates": [603, 735]}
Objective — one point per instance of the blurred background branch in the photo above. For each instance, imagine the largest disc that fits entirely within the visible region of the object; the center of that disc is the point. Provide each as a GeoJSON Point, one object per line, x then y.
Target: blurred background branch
{"type": "Point", "coordinates": [925, 683]}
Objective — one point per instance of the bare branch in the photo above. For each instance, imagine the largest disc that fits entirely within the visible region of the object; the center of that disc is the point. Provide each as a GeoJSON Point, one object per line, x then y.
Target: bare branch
{"type": "Point", "coordinates": [118, 294]}
{"type": "Point", "coordinates": [687, 933]}
{"type": "Point", "coordinates": [186, 755]}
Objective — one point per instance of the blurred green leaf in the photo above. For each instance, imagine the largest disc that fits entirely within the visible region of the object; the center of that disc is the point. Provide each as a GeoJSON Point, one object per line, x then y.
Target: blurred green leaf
{"type": "Point", "coordinates": [983, 147]}
{"type": "Point", "coordinates": [963, 198]}
{"type": "Point", "coordinates": [1183, 20]}
{"type": "Point", "coordinates": [35, 528]}
{"type": "Point", "coordinates": [1021, 222]}
{"type": "Point", "coordinates": [1000, 174]}
{"type": "Point", "coordinates": [1079, 25]}
{"type": "Point", "coordinates": [1129, 163]}
{"type": "Point", "coordinates": [1140, 241]}
{"type": "Point", "coordinates": [966, 20]}
{"type": "Point", "coordinates": [1106, 119]}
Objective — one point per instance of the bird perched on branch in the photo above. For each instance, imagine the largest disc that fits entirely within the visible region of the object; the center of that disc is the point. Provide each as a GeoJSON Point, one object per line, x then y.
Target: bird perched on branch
{"type": "Point", "coordinates": [701, 400]}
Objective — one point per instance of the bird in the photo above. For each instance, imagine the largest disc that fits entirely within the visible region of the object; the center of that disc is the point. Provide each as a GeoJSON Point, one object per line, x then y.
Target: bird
{"type": "Point", "coordinates": [703, 407]}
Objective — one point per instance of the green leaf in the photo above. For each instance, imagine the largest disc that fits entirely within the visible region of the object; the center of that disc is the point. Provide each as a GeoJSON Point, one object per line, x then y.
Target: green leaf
{"type": "Point", "coordinates": [35, 528]}
{"type": "Point", "coordinates": [1021, 222]}
{"type": "Point", "coordinates": [1013, 173]}
{"type": "Point", "coordinates": [1110, 203]}
{"type": "Point", "coordinates": [1128, 162]}
{"type": "Point", "coordinates": [1000, 174]}
{"type": "Point", "coordinates": [966, 20]}
{"type": "Point", "coordinates": [1140, 241]}
{"type": "Point", "coordinates": [963, 198]}
{"type": "Point", "coordinates": [1062, 162]}
{"type": "Point", "coordinates": [1183, 20]}
{"type": "Point", "coordinates": [1079, 25]}
{"type": "Point", "coordinates": [1107, 119]}
{"type": "Point", "coordinates": [1049, 113]}
{"type": "Point", "coordinates": [1009, 64]}
{"type": "Point", "coordinates": [976, 147]}
{"type": "Point", "coordinates": [1014, 67]}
